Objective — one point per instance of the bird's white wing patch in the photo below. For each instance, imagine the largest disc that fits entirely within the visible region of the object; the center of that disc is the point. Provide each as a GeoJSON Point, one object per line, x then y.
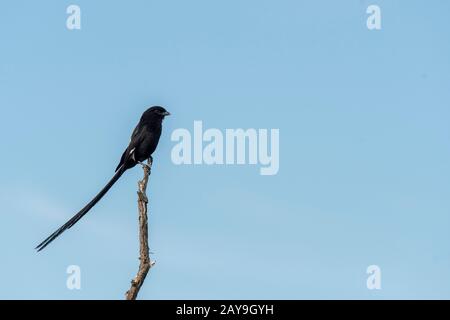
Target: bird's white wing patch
{"type": "Point", "coordinates": [132, 154]}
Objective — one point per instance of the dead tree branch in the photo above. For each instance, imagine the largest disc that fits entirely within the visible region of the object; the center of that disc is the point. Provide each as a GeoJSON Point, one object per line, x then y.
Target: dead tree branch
{"type": "Point", "coordinates": [145, 263]}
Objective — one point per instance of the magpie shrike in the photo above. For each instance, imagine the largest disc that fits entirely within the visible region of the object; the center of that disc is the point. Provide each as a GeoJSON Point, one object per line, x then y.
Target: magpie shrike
{"type": "Point", "coordinates": [143, 143]}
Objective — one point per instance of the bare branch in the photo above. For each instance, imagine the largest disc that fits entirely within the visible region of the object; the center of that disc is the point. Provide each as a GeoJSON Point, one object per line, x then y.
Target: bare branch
{"type": "Point", "coordinates": [145, 263]}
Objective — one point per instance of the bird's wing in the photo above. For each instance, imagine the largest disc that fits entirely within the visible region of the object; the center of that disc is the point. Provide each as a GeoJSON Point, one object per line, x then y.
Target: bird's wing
{"type": "Point", "coordinates": [136, 138]}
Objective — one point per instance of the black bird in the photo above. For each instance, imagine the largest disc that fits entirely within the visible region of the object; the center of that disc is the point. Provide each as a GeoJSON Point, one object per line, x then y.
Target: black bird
{"type": "Point", "coordinates": [143, 143]}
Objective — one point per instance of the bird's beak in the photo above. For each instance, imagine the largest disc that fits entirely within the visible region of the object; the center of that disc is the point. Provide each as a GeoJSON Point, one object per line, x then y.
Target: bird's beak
{"type": "Point", "coordinates": [167, 113]}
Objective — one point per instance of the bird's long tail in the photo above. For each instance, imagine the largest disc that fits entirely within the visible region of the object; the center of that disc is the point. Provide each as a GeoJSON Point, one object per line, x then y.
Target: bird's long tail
{"type": "Point", "coordinates": [83, 211]}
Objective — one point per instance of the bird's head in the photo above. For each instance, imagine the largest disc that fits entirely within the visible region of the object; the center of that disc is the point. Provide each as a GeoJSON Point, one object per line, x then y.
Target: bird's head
{"type": "Point", "coordinates": [156, 112]}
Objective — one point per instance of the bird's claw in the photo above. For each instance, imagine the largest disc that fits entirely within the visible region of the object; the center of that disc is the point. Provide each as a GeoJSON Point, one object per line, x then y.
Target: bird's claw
{"type": "Point", "coordinates": [147, 165]}
{"type": "Point", "coordinates": [144, 165]}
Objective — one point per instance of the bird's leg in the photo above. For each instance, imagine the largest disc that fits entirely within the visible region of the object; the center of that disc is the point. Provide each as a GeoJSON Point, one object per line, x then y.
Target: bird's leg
{"type": "Point", "coordinates": [147, 165]}
{"type": "Point", "coordinates": [144, 165]}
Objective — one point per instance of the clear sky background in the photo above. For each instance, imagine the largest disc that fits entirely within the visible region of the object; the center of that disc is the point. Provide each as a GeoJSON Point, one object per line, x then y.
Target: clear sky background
{"type": "Point", "coordinates": [364, 148]}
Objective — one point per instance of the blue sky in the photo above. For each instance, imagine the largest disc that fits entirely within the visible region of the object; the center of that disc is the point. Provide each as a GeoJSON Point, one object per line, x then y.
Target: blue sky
{"type": "Point", "coordinates": [364, 148]}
